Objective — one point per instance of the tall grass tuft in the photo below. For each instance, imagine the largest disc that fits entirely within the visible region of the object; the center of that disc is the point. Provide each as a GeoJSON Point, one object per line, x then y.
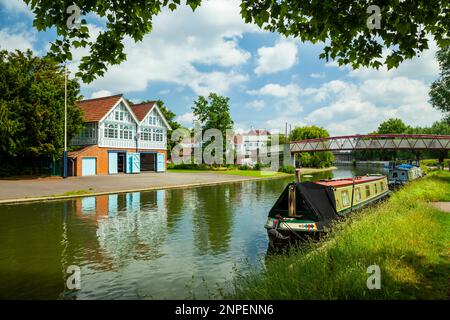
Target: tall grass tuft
{"type": "Point", "coordinates": [405, 236]}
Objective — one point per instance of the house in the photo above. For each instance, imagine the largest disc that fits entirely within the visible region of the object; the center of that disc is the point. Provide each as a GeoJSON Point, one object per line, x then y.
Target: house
{"type": "Point", "coordinates": [118, 138]}
{"type": "Point", "coordinates": [249, 145]}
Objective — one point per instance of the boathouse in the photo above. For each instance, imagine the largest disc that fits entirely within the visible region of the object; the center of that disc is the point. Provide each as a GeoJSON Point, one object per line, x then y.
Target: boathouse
{"type": "Point", "coordinates": [119, 138]}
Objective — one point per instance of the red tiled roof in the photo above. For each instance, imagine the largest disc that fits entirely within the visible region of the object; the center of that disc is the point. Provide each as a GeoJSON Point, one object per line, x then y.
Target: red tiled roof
{"type": "Point", "coordinates": [74, 154]}
{"type": "Point", "coordinates": [142, 109]}
{"type": "Point", "coordinates": [95, 109]}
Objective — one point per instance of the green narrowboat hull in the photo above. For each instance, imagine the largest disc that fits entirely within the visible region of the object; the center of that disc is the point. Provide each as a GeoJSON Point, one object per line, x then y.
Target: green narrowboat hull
{"type": "Point", "coordinates": [332, 196]}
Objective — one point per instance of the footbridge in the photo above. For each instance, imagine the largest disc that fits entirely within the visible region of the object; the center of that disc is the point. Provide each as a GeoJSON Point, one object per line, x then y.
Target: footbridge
{"type": "Point", "coordinates": [373, 142]}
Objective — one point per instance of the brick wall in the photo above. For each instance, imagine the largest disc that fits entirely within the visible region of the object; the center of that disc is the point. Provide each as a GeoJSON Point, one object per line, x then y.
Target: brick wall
{"type": "Point", "coordinates": [101, 154]}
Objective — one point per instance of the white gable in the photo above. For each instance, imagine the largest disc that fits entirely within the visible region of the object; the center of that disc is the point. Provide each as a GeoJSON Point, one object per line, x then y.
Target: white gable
{"type": "Point", "coordinates": [155, 118]}
{"type": "Point", "coordinates": [121, 113]}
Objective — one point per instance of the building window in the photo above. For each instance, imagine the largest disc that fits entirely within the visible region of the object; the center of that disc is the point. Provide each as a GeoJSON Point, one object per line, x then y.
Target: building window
{"type": "Point", "coordinates": [345, 200]}
{"type": "Point", "coordinates": [126, 132]}
{"type": "Point", "coordinates": [119, 115]}
{"type": "Point", "coordinates": [146, 134]}
{"type": "Point", "coordinates": [153, 119]}
{"type": "Point", "coordinates": [158, 135]}
{"type": "Point", "coordinates": [367, 191]}
{"type": "Point", "coordinates": [87, 132]}
{"type": "Point", "coordinates": [111, 131]}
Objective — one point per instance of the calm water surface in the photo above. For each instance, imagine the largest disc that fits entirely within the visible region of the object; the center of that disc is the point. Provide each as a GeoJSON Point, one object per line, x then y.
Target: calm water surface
{"type": "Point", "coordinates": [172, 244]}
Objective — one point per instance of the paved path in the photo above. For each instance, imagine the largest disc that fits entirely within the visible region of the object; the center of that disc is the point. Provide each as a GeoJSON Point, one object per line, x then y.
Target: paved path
{"type": "Point", "coordinates": [45, 187]}
{"type": "Point", "coordinates": [444, 206]}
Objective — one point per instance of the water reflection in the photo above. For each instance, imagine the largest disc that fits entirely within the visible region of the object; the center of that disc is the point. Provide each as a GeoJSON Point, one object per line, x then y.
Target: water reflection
{"type": "Point", "coordinates": [137, 245]}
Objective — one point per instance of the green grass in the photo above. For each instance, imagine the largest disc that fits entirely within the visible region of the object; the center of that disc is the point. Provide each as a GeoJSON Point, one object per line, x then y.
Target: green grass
{"type": "Point", "coordinates": [405, 236]}
{"type": "Point", "coordinates": [73, 193]}
{"type": "Point", "coordinates": [245, 173]}
{"type": "Point", "coordinates": [255, 173]}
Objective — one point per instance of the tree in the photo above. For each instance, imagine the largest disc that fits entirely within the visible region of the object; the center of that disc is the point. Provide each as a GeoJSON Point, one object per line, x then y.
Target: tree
{"type": "Point", "coordinates": [392, 126]}
{"type": "Point", "coordinates": [314, 159]}
{"type": "Point", "coordinates": [32, 106]}
{"type": "Point", "coordinates": [405, 30]}
{"type": "Point", "coordinates": [214, 113]}
{"type": "Point", "coordinates": [440, 89]}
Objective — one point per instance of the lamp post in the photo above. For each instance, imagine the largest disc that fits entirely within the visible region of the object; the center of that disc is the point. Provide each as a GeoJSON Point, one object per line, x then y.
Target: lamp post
{"type": "Point", "coordinates": [65, 122]}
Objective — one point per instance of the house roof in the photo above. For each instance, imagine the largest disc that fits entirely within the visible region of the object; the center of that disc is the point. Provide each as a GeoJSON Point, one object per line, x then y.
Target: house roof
{"type": "Point", "coordinates": [74, 154]}
{"type": "Point", "coordinates": [142, 109]}
{"type": "Point", "coordinates": [96, 109]}
{"type": "Point", "coordinates": [257, 132]}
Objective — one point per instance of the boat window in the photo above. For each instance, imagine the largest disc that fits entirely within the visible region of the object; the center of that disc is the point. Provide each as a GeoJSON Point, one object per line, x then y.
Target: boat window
{"type": "Point", "coordinates": [358, 194]}
{"type": "Point", "coordinates": [382, 185]}
{"type": "Point", "coordinates": [376, 188]}
{"type": "Point", "coordinates": [367, 191]}
{"type": "Point", "coordinates": [345, 200]}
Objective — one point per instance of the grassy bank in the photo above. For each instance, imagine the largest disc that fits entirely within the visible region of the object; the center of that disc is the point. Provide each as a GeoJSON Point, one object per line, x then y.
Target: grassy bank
{"type": "Point", "coordinates": [244, 173]}
{"type": "Point", "coordinates": [253, 173]}
{"type": "Point", "coordinates": [405, 236]}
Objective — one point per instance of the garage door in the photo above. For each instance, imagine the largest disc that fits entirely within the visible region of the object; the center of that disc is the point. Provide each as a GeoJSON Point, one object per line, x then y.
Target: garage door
{"type": "Point", "coordinates": [148, 162]}
{"type": "Point", "coordinates": [89, 167]}
{"type": "Point", "coordinates": [112, 163]}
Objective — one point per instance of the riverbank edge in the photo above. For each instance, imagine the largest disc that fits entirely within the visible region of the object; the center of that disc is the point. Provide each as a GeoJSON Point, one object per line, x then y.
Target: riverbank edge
{"type": "Point", "coordinates": [189, 185]}
{"type": "Point", "coordinates": [416, 277]}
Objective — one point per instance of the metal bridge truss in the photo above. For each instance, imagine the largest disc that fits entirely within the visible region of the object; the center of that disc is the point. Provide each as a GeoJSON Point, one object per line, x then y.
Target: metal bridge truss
{"type": "Point", "coordinates": [373, 142]}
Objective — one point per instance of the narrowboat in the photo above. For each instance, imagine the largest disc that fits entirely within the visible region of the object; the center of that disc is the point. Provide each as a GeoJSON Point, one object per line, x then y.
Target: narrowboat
{"type": "Point", "coordinates": [307, 209]}
{"type": "Point", "coordinates": [403, 173]}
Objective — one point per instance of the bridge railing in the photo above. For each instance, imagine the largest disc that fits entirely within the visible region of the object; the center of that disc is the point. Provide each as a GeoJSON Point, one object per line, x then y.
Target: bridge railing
{"type": "Point", "coordinates": [373, 142]}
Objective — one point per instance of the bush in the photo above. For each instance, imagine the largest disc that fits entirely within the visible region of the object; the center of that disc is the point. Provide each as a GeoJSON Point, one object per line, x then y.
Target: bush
{"type": "Point", "coordinates": [189, 166]}
{"type": "Point", "coordinates": [434, 162]}
{"type": "Point", "coordinates": [287, 169]}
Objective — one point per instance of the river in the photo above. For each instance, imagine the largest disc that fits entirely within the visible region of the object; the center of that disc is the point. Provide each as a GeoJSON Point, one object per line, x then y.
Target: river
{"type": "Point", "coordinates": [166, 244]}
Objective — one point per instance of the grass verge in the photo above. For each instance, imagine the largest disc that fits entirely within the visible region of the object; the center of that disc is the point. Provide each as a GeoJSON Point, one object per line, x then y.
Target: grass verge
{"type": "Point", "coordinates": [405, 236]}
{"type": "Point", "coordinates": [244, 173]}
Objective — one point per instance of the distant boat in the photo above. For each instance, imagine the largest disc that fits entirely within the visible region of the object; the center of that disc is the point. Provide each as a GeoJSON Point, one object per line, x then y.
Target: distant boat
{"type": "Point", "coordinates": [403, 173]}
{"type": "Point", "coordinates": [307, 209]}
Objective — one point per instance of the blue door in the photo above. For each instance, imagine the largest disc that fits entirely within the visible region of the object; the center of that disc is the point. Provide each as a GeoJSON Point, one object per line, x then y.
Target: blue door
{"type": "Point", "coordinates": [88, 166]}
{"type": "Point", "coordinates": [160, 162]}
{"type": "Point", "coordinates": [133, 163]}
{"type": "Point", "coordinates": [136, 162]}
{"type": "Point", "coordinates": [112, 163]}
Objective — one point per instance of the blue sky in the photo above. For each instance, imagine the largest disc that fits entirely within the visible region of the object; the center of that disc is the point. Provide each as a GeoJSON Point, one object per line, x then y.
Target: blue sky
{"type": "Point", "coordinates": [269, 79]}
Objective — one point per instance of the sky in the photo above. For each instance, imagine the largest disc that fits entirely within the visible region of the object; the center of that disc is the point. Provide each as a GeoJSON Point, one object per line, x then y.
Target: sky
{"type": "Point", "coordinates": [270, 80]}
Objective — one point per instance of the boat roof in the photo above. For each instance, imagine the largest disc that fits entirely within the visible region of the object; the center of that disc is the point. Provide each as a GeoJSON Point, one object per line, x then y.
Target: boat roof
{"type": "Point", "coordinates": [349, 181]}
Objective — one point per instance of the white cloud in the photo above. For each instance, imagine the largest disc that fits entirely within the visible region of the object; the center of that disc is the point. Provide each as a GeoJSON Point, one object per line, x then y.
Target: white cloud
{"type": "Point", "coordinates": [276, 90]}
{"type": "Point", "coordinates": [280, 57]}
{"type": "Point", "coordinates": [11, 39]}
{"type": "Point", "coordinates": [180, 42]}
{"type": "Point", "coordinates": [16, 6]}
{"type": "Point", "coordinates": [318, 75]}
{"type": "Point", "coordinates": [186, 119]}
{"type": "Point", "coordinates": [255, 105]}
{"type": "Point", "coordinates": [101, 93]}
{"type": "Point", "coordinates": [348, 108]}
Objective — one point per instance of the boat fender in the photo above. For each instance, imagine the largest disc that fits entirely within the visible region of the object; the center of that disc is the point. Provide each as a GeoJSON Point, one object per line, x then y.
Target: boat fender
{"type": "Point", "coordinates": [277, 235]}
